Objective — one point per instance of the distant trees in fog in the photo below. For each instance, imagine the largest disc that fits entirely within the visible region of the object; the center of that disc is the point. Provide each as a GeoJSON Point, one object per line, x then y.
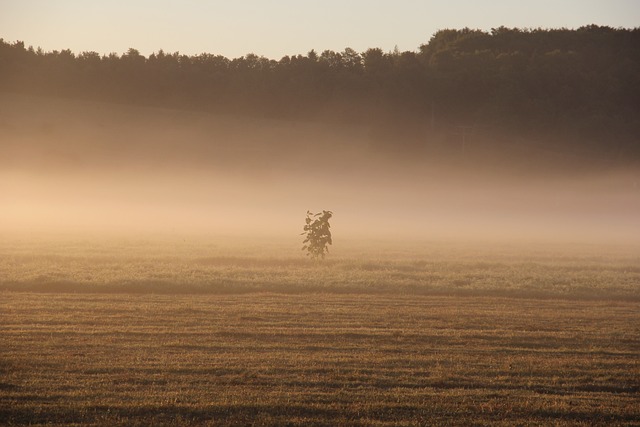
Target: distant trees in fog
{"type": "Point", "coordinates": [583, 84]}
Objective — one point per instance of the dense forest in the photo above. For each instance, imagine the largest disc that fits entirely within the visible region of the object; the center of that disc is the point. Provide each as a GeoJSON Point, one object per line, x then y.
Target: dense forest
{"type": "Point", "coordinates": [576, 90]}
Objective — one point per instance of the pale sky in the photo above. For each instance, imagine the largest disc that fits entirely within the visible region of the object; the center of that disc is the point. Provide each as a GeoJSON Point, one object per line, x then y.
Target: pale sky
{"type": "Point", "coordinates": [282, 27]}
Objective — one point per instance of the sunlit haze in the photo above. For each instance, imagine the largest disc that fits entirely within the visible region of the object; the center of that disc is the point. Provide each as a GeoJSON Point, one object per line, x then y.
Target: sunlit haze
{"type": "Point", "coordinates": [77, 166]}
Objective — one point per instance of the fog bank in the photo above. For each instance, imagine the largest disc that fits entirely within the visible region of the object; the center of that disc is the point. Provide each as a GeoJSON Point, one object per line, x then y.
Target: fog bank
{"type": "Point", "coordinates": [70, 166]}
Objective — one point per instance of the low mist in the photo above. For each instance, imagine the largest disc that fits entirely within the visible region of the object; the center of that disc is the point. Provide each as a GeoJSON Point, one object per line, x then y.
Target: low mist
{"type": "Point", "coordinates": [83, 167]}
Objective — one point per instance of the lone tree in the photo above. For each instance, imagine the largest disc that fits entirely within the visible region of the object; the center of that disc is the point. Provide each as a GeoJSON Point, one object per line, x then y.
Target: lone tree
{"type": "Point", "coordinates": [317, 234]}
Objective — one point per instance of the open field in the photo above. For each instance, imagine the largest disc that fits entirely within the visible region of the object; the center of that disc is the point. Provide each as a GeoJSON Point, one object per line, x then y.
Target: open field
{"type": "Point", "coordinates": [197, 331]}
{"type": "Point", "coordinates": [223, 266]}
{"type": "Point", "coordinates": [96, 359]}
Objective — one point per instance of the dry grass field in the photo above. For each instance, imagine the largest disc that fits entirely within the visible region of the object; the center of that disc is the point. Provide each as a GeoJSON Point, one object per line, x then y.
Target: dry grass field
{"type": "Point", "coordinates": [139, 334]}
{"type": "Point", "coordinates": [200, 265]}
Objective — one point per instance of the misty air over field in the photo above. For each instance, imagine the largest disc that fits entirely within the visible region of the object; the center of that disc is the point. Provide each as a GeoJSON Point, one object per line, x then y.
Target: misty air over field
{"type": "Point", "coordinates": [512, 134]}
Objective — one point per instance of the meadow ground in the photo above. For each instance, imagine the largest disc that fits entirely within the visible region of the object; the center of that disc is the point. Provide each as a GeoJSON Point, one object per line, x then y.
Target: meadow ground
{"type": "Point", "coordinates": [139, 334]}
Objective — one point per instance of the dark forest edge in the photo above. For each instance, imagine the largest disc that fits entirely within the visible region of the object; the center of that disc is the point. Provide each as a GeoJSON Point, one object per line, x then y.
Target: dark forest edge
{"type": "Point", "coordinates": [571, 91]}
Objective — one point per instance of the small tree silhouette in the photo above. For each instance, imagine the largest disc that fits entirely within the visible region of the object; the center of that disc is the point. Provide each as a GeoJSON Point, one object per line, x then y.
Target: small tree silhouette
{"type": "Point", "coordinates": [317, 233]}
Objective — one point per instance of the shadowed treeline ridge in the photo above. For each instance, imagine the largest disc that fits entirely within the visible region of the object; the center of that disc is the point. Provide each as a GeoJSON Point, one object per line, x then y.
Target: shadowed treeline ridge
{"type": "Point", "coordinates": [571, 91]}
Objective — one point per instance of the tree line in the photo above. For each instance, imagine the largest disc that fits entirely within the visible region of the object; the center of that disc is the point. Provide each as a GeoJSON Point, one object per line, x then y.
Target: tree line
{"type": "Point", "coordinates": [582, 85]}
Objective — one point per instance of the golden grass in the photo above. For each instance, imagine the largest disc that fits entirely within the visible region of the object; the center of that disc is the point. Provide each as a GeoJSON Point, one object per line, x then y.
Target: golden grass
{"type": "Point", "coordinates": [323, 359]}
{"type": "Point", "coordinates": [218, 266]}
{"type": "Point", "coordinates": [207, 331]}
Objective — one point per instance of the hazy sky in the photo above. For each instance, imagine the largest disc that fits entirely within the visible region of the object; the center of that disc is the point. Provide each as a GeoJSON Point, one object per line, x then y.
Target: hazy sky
{"type": "Point", "coordinates": [282, 27]}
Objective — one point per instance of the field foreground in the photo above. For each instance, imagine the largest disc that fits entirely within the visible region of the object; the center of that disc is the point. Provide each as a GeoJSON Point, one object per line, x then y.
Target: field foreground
{"type": "Point", "coordinates": [269, 359]}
